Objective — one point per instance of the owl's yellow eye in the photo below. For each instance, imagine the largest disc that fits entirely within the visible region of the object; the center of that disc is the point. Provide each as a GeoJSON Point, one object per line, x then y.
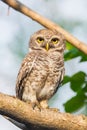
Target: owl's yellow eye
{"type": "Point", "coordinates": [40, 40]}
{"type": "Point", "coordinates": [55, 40]}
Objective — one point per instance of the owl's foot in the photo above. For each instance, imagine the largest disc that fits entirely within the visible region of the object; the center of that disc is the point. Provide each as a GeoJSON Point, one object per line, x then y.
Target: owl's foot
{"type": "Point", "coordinates": [36, 105]}
{"type": "Point", "coordinates": [44, 104]}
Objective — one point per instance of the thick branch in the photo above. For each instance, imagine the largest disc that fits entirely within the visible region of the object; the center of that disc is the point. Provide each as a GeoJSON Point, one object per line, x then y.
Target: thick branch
{"type": "Point", "coordinates": [46, 23]}
{"type": "Point", "coordinates": [23, 112]}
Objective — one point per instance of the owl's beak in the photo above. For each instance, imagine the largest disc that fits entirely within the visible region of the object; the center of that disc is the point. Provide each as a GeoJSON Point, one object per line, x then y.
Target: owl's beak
{"type": "Point", "coordinates": [47, 46]}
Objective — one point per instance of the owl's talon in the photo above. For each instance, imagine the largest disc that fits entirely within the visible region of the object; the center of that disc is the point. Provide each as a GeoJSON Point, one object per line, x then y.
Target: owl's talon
{"type": "Point", "coordinates": [36, 106]}
{"type": "Point", "coordinates": [44, 104]}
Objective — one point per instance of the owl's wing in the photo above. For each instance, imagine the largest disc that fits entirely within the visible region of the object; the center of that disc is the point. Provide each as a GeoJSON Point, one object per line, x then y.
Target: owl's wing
{"type": "Point", "coordinates": [62, 74]}
{"type": "Point", "coordinates": [26, 68]}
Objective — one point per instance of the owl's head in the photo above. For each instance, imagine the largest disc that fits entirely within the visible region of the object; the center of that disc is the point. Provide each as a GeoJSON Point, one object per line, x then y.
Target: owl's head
{"type": "Point", "coordinates": [47, 40]}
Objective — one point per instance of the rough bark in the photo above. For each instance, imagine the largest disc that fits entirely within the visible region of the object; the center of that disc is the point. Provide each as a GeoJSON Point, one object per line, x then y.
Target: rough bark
{"type": "Point", "coordinates": [40, 119]}
{"type": "Point", "coordinates": [46, 23]}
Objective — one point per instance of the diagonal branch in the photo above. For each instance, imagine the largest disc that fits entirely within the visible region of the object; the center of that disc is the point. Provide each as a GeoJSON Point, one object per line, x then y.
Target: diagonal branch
{"type": "Point", "coordinates": [23, 113]}
{"type": "Point", "coordinates": [46, 23]}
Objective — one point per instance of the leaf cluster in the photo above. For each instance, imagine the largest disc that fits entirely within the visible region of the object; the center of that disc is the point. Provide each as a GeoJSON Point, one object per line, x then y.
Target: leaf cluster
{"type": "Point", "coordinates": [78, 82]}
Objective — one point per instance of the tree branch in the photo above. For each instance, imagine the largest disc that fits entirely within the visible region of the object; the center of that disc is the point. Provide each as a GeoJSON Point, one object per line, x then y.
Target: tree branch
{"type": "Point", "coordinates": [46, 23]}
{"type": "Point", "coordinates": [47, 118]}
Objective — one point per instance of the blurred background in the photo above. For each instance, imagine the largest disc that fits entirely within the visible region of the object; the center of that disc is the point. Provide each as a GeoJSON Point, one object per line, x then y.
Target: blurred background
{"type": "Point", "coordinates": [15, 30]}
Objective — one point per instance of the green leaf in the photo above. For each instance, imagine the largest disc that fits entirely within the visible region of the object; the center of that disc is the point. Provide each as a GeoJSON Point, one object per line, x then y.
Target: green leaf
{"type": "Point", "coordinates": [75, 103]}
{"type": "Point", "coordinates": [85, 88]}
{"type": "Point", "coordinates": [83, 57]}
{"type": "Point", "coordinates": [69, 46]}
{"type": "Point", "coordinates": [66, 79]}
{"type": "Point", "coordinates": [73, 53]}
{"type": "Point", "coordinates": [77, 80]}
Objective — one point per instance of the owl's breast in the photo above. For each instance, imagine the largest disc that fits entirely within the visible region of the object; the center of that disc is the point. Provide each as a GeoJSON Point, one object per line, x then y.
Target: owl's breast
{"type": "Point", "coordinates": [56, 62]}
{"type": "Point", "coordinates": [39, 73]}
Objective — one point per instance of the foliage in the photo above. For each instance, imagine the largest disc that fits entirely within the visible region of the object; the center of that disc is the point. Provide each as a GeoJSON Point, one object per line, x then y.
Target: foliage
{"type": "Point", "coordinates": [78, 82]}
{"type": "Point", "coordinates": [73, 53]}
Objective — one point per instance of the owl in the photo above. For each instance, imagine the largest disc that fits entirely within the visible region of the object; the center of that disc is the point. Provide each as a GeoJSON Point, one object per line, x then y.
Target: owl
{"type": "Point", "coordinates": [42, 69]}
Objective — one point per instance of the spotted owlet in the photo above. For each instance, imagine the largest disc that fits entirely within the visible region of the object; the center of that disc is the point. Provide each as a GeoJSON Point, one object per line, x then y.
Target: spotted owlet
{"type": "Point", "coordinates": [42, 69]}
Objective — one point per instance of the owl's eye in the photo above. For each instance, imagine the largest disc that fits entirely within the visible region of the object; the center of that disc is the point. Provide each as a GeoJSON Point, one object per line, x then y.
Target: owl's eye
{"type": "Point", "coordinates": [55, 40]}
{"type": "Point", "coordinates": [40, 40]}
